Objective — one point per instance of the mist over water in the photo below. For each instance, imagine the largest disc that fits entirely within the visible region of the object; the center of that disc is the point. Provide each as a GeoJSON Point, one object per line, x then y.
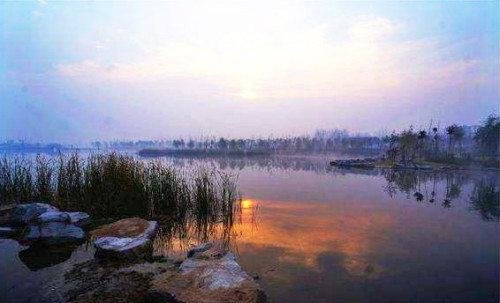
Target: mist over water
{"type": "Point", "coordinates": [316, 233]}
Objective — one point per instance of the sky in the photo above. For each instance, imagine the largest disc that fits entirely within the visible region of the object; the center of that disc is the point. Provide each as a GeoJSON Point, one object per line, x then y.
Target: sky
{"type": "Point", "coordinates": [74, 72]}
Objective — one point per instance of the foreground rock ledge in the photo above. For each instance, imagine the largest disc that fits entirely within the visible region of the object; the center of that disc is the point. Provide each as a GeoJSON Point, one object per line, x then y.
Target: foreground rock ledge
{"type": "Point", "coordinates": [209, 275]}
{"type": "Point", "coordinates": [128, 237]}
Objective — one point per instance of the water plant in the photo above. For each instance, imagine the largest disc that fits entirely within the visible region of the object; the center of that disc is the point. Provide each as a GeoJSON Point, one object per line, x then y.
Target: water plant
{"type": "Point", "coordinates": [114, 185]}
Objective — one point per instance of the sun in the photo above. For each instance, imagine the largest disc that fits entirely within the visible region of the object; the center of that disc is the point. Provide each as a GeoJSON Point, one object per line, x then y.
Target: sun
{"type": "Point", "coordinates": [247, 203]}
{"type": "Point", "coordinates": [248, 93]}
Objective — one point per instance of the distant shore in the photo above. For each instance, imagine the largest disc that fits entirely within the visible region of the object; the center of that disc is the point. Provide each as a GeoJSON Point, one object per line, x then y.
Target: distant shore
{"type": "Point", "coordinates": [200, 153]}
{"type": "Point", "coordinates": [472, 164]}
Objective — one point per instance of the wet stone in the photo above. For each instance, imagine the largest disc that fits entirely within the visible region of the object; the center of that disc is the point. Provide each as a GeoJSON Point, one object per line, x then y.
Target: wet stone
{"type": "Point", "coordinates": [125, 238]}
{"type": "Point", "coordinates": [80, 219]}
{"type": "Point", "coordinates": [24, 213]}
{"type": "Point", "coordinates": [54, 233]}
{"type": "Point", "coordinates": [53, 216]}
{"type": "Point", "coordinates": [207, 276]}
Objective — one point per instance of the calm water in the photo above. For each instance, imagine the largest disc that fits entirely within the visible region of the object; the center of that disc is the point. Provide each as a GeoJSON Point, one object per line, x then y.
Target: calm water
{"type": "Point", "coordinates": [317, 234]}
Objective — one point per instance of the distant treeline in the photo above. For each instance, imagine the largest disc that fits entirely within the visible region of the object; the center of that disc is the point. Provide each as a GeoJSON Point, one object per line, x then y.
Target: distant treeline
{"type": "Point", "coordinates": [452, 141]}
{"type": "Point", "coordinates": [434, 142]}
{"type": "Point", "coordinates": [14, 146]}
{"type": "Point", "coordinates": [201, 153]}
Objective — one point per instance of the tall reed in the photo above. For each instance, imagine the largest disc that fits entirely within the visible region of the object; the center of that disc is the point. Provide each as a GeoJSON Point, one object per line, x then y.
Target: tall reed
{"type": "Point", "coordinates": [114, 186]}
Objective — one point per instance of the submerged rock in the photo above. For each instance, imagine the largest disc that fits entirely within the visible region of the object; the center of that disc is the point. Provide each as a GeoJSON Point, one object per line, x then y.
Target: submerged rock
{"type": "Point", "coordinates": [37, 257]}
{"type": "Point", "coordinates": [54, 233]}
{"type": "Point", "coordinates": [126, 237]}
{"type": "Point", "coordinates": [208, 276]}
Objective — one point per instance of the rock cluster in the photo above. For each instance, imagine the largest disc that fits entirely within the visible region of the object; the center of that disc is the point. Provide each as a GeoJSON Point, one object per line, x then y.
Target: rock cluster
{"type": "Point", "coordinates": [42, 222]}
{"type": "Point", "coordinates": [208, 275]}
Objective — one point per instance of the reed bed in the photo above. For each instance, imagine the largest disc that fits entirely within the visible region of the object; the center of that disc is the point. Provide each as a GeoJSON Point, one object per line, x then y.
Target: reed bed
{"type": "Point", "coordinates": [116, 186]}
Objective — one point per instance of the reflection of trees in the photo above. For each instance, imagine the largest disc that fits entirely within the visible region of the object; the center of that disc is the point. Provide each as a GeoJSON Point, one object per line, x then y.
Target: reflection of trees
{"type": "Point", "coordinates": [37, 257]}
{"type": "Point", "coordinates": [266, 163]}
{"type": "Point", "coordinates": [422, 186]}
{"type": "Point", "coordinates": [440, 187]}
{"type": "Point", "coordinates": [485, 199]}
{"type": "Point", "coordinates": [219, 226]}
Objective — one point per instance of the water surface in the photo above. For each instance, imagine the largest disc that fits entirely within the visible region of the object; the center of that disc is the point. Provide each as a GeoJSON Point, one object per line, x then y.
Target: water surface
{"type": "Point", "coordinates": [312, 233]}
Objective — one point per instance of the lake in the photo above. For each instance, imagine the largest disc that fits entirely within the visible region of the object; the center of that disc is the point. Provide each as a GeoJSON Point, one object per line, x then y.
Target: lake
{"type": "Point", "coordinates": [313, 233]}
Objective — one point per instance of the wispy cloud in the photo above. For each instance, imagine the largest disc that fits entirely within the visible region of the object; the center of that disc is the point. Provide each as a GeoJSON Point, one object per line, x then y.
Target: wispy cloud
{"type": "Point", "coordinates": [301, 64]}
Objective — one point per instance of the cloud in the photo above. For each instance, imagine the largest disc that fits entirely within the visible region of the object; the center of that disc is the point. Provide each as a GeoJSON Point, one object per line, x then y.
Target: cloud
{"type": "Point", "coordinates": [372, 28]}
{"type": "Point", "coordinates": [36, 14]}
{"type": "Point", "coordinates": [302, 63]}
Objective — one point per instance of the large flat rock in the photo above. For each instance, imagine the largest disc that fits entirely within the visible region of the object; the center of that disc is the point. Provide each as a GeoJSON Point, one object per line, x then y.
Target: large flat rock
{"type": "Point", "coordinates": [208, 276]}
{"type": "Point", "coordinates": [126, 237]}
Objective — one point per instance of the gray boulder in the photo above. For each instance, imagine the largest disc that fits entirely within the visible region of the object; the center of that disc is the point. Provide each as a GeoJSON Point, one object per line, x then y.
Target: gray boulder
{"type": "Point", "coordinates": [77, 218]}
{"type": "Point", "coordinates": [80, 219]}
{"type": "Point", "coordinates": [53, 233]}
{"type": "Point", "coordinates": [24, 213]}
{"type": "Point", "coordinates": [53, 216]}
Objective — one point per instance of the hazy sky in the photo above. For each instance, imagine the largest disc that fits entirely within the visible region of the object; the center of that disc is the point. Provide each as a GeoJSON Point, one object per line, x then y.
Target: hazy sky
{"type": "Point", "coordinates": [78, 71]}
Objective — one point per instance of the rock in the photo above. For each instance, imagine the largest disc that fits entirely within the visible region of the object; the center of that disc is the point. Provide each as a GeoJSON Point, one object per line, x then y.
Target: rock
{"type": "Point", "coordinates": [4, 209]}
{"type": "Point", "coordinates": [198, 249]}
{"type": "Point", "coordinates": [120, 245]}
{"type": "Point", "coordinates": [179, 260]}
{"type": "Point", "coordinates": [126, 237]}
{"type": "Point", "coordinates": [54, 233]}
{"type": "Point", "coordinates": [77, 218]}
{"type": "Point", "coordinates": [8, 231]}
{"type": "Point", "coordinates": [24, 213]}
{"type": "Point", "coordinates": [80, 219]}
{"type": "Point", "coordinates": [53, 216]}
{"type": "Point", "coordinates": [207, 280]}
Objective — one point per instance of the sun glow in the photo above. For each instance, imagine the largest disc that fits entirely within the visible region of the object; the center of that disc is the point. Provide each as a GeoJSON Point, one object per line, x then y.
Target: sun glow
{"type": "Point", "coordinates": [248, 93]}
{"type": "Point", "coordinates": [247, 203]}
